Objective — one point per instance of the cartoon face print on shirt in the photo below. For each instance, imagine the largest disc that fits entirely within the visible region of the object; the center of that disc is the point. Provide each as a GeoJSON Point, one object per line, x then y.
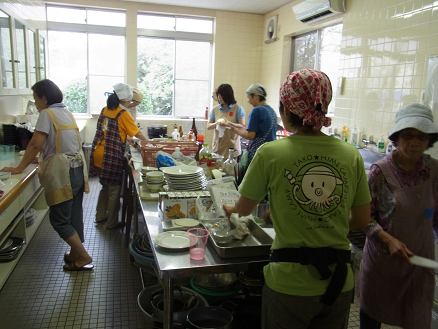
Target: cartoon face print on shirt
{"type": "Point", "coordinates": [316, 188]}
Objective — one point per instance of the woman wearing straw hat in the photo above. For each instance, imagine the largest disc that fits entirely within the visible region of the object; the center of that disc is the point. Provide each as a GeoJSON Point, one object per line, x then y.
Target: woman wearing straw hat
{"type": "Point", "coordinates": [404, 218]}
{"type": "Point", "coordinates": [318, 192]}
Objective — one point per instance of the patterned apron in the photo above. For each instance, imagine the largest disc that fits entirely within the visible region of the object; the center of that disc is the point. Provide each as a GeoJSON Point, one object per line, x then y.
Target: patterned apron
{"type": "Point", "coordinates": [230, 139]}
{"type": "Point", "coordinates": [54, 173]}
{"type": "Point", "coordinates": [112, 164]}
{"type": "Point", "coordinates": [391, 291]}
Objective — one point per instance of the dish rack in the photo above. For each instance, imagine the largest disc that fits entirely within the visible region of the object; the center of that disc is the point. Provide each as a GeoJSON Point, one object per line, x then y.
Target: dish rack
{"type": "Point", "coordinates": [149, 153]}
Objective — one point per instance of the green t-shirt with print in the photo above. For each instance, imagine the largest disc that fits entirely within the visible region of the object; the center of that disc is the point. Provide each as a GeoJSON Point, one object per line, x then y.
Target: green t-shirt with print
{"type": "Point", "coordinates": [312, 182]}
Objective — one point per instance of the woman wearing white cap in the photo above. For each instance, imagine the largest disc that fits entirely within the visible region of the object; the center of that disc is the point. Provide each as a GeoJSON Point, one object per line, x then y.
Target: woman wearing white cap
{"type": "Point", "coordinates": [114, 125]}
{"type": "Point", "coordinates": [404, 218]}
{"type": "Point", "coordinates": [262, 121]}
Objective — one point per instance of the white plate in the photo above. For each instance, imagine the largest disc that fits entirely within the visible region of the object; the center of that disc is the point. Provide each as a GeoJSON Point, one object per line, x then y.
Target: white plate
{"type": "Point", "coordinates": [181, 170]}
{"type": "Point", "coordinates": [424, 262]}
{"type": "Point", "coordinates": [172, 240]}
{"type": "Point", "coordinates": [186, 222]}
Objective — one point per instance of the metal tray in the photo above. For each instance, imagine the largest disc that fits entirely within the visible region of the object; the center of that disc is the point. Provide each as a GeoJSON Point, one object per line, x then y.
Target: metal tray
{"type": "Point", "coordinates": [258, 243]}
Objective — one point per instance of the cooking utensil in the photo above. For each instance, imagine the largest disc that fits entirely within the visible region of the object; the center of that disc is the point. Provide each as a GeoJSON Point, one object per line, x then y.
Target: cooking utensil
{"type": "Point", "coordinates": [424, 262]}
{"type": "Point", "coordinates": [210, 317]}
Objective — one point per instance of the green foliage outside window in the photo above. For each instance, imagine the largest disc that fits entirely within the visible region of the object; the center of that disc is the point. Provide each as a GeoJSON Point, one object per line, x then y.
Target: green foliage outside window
{"type": "Point", "coordinates": [75, 96]}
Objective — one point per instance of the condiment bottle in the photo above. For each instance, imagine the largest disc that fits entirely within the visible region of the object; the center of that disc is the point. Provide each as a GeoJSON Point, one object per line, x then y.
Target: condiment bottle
{"type": "Point", "coordinates": [205, 154]}
{"type": "Point", "coordinates": [230, 164]}
{"type": "Point", "coordinates": [195, 131]}
{"type": "Point", "coordinates": [191, 136]}
{"type": "Point", "coordinates": [381, 145]}
{"type": "Point", "coordinates": [181, 131]}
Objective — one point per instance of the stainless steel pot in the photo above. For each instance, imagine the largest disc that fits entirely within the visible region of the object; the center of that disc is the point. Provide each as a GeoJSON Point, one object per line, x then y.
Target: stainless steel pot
{"type": "Point", "coordinates": [210, 317]}
{"type": "Point", "coordinates": [183, 301]}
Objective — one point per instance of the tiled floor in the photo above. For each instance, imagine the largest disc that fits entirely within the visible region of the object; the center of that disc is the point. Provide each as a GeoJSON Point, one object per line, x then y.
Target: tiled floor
{"type": "Point", "coordinates": [39, 294]}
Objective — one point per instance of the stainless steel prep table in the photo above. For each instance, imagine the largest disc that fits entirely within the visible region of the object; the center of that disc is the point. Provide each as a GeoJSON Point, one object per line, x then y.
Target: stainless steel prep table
{"type": "Point", "coordinates": [173, 265]}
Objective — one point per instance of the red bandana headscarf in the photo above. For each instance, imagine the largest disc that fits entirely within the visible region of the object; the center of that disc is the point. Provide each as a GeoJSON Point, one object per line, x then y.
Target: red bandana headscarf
{"type": "Point", "coordinates": [302, 91]}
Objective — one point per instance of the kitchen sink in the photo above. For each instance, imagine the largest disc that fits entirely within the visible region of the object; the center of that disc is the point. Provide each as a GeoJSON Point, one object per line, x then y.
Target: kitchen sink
{"type": "Point", "coordinates": [369, 157]}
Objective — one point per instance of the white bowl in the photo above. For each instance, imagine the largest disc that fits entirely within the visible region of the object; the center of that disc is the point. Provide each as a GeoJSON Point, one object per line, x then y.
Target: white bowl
{"type": "Point", "coordinates": [154, 187]}
{"type": "Point", "coordinates": [154, 175]}
{"type": "Point", "coordinates": [145, 170]}
{"type": "Point", "coordinates": [5, 175]}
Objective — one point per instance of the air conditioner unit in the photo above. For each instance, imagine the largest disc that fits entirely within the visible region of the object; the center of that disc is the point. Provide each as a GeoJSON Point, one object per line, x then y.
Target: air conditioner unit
{"type": "Point", "coordinates": [313, 10]}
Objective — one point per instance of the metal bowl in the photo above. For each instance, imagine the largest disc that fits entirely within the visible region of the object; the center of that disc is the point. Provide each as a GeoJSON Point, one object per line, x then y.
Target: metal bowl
{"type": "Point", "coordinates": [217, 282]}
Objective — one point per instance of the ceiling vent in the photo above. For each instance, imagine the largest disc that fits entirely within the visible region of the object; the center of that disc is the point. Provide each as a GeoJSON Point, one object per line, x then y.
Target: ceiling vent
{"type": "Point", "coordinates": [313, 10]}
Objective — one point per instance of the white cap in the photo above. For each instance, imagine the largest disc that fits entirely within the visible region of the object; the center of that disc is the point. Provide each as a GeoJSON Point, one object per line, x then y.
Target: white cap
{"type": "Point", "coordinates": [123, 91]}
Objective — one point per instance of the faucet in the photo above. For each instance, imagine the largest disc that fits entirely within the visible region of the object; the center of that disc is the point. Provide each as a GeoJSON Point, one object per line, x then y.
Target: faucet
{"type": "Point", "coordinates": [366, 142]}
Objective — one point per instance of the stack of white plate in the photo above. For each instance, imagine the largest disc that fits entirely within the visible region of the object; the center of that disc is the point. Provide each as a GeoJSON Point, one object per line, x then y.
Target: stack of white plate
{"type": "Point", "coordinates": [154, 180]}
{"type": "Point", "coordinates": [185, 178]}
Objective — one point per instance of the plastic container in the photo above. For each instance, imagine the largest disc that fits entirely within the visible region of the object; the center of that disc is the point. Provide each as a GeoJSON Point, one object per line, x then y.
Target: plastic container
{"type": "Point", "coordinates": [381, 145]}
{"type": "Point", "coordinates": [344, 134]}
{"type": "Point", "coordinates": [389, 147]}
{"type": "Point", "coordinates": [191, 136]}
{"type": "Point", "coordinates": [178, 155]}
{"type": "Point", "coordinates": [149, 150]}
{"type": "Point", "coordinates": [205, 155]}
{"type": "Point", "coordinates": [354, 137]}
{"type": "Point", "coordinates": [176, 135]}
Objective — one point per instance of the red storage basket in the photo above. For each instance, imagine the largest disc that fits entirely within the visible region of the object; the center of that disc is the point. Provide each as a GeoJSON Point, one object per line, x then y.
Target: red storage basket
{"type": "Point", "coordinates": [149, 153]}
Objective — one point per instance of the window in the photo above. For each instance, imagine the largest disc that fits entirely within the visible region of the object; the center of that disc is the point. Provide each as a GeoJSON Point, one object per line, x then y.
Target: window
{"type": "Point", "coordinates": [79, 58]}
{"type": "Point", "coordinates": [319, 50]}
{"type": "Point", "coordinates": [174, 65]}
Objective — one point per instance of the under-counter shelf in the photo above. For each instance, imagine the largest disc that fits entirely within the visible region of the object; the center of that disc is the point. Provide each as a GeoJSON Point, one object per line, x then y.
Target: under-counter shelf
{"type": "Point", "coordinates": [17, 230]}
{"type": "Point", "coordinates": [41, 208]}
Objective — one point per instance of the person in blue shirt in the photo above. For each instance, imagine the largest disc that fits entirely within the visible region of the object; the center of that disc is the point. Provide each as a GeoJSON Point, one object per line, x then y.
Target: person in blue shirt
{"type": "Point", "coordinates": [227, 111]}
{"type": "Point", "coordinates": [262, 121]}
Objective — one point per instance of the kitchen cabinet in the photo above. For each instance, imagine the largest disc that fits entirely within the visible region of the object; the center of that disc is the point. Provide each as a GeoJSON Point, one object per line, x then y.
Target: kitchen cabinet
{"type": "Point", "coordinates": [21, 194]}
{"type": "Point", "coordinates": [22, 51]}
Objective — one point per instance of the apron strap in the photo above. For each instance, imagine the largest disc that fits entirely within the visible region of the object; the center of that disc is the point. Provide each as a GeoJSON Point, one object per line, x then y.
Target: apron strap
{"type": "Point", "coordinates": [59, 127]}
{"type": "Point", "coordinates": [320, 258]}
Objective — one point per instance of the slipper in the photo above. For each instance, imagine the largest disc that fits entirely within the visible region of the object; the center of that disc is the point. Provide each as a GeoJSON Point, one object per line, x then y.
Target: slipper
{"type": "Point", "coordinates": [66, 257]}
{"type": "Point", "coordinates": [73, 267]}
{"type": "Point", "coordinates": [100, 221]}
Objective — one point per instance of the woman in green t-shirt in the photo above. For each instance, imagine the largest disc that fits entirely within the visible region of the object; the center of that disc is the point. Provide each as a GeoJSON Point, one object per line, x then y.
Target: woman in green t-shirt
{"type": "Point", "coordinates": [318, 191]}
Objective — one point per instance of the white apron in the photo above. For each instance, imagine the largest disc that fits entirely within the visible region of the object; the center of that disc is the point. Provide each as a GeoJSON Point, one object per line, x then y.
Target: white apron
{"type": "Point", "coordinates": [54, 172]}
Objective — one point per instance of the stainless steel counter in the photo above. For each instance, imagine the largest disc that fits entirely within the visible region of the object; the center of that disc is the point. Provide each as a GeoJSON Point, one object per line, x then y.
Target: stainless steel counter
{"type": "Point", "coordinates": [172, 265]}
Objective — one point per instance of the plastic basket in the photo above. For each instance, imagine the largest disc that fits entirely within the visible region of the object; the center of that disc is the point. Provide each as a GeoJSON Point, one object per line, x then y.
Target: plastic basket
{"type": "Point", "coordinates": [149, 153]}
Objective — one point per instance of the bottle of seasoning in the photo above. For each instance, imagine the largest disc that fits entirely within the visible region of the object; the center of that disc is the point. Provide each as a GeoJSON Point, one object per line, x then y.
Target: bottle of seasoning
{"type": "Point", "coordinates": [180, 131]}
{"type": "Point", "coordinates": [195, 131]}
{"type": "Point", "coordinates": [191, 136]}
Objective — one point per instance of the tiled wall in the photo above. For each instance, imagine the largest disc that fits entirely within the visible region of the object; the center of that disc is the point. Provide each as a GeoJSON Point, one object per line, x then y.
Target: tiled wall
{"type": "Point", "coordinates": [386, 45]}
{"type": "Point", "coordinates": [384, 54]}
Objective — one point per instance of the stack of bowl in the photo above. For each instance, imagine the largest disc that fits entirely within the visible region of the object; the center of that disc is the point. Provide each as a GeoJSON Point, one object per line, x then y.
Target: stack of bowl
{"type": "Point", "coordinates": [146, 169]}
{"type": "Point", "coordinates": [154, 180]}
{"type": "Point", "coordinates": [216, 287]}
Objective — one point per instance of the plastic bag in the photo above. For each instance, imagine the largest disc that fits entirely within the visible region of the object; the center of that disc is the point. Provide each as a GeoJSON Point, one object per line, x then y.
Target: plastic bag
{"type": "Point", "coordinates": [202, 212]}
{"type": "Point", "coordinates": [221, 130]}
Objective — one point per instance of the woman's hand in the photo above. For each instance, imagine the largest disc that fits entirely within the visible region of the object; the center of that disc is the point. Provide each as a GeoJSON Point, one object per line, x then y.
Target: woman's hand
{"type": "Point", "coordinates": [12, 170]}
{"type": "Point", "coordinates": [229, 210]}
{"type": "Point", "coordinates": [396, 248]}
{"type": "Point", "coordinates": [222, 122]}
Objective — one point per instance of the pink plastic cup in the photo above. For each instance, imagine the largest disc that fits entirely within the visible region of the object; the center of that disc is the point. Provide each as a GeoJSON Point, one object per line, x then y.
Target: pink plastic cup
{"type": "Point", "coordinates": [198, 242]}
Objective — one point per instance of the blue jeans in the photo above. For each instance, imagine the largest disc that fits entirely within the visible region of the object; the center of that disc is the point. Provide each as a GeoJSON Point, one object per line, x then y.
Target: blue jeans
{"type": "Point", "coordinates": [367, 322]}
{"type": "Point", "coordinates": [66, 217]}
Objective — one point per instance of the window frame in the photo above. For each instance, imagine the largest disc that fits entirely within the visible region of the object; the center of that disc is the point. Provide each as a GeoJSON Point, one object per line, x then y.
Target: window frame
{"type": "Point", "coordinates": [88, 28]}
{"type": "Point", "coordinates": [179, 36]}
{"type": "Point", "coordinates": [318, 33]}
